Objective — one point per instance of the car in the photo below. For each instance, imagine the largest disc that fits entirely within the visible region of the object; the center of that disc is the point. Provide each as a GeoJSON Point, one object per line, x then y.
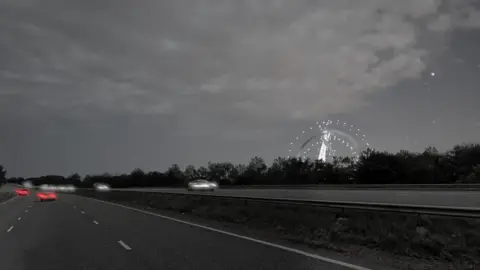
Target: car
{"type": "Point", "coordinates": [27, 184]}
{"type": "Point", "coordinates": [70, 188]}
{"type": "Point", "coordinates": [67, 188]}
{"type": "Point", "coordinates": [202, 185]}
{"type": "Point", "coordinates": [101, 187]}
{"type": "Point", "coordinates": [45, 187]}
{"type": "Point", "coordinates": [46, 196]}
{"type": "Point", "coordinates": [22, 191]}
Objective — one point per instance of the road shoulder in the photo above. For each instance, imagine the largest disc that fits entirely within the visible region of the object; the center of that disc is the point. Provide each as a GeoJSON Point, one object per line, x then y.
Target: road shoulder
{"type": "Point", "coordinates": [6, 196]}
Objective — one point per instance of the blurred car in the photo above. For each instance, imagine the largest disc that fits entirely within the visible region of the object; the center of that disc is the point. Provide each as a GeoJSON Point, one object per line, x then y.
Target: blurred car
{"type": "Point", "coordinates": [46, 196]}
{"type": "Point", "coordinates": [47, 187]}
{"type": "Point", "coordinates": [27, 184]}
{"type": "Point", "coordinates": [70, 188]}
{"type": "Point", "coordinates": [66, 188]}
{"type": "Point", "coordinates": [101, 187]}
{"type": "Point", "coordinates": [22, 191]}
{"type": "Point", "coordinates": [202, 185]}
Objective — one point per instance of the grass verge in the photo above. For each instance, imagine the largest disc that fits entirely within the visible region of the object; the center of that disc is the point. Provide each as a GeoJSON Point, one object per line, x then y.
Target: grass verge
{"type": "Point", "coordinates": [409, 241]}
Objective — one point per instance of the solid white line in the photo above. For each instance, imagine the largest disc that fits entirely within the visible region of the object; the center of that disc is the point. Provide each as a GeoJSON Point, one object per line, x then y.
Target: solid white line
{"type": "Point", "coordinates": [11, 199]}
{"type": "Point", "coordinates": [19, 218]}
{"type": "Point", "coordinates": [125, 246]}
{"type": "Point", "coordinates": [293, 250]}
{"type": "Point", "coordinates": [9, 229]}
{"type": "Point", "coordinates": [95, 222]}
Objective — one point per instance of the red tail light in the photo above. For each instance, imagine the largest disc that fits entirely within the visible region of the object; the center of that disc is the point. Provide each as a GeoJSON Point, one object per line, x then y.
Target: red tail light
{"type": "Point", "coordinates": [46, 195]}
{"type": "Point", "coordinates": [21, 192]}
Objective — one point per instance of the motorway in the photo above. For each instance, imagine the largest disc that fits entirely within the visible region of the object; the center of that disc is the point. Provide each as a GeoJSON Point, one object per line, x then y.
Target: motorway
{"type": "Point", "coordinates": [80, 233]}
{"type": "Point", "coordinates": [408, 197]}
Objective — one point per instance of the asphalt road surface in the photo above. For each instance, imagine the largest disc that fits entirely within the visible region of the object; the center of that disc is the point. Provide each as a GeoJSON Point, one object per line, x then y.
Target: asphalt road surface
{"type": "Point", "coordinates": [410, 197]}
{"type": "Point", "coordinates": [80, 233]}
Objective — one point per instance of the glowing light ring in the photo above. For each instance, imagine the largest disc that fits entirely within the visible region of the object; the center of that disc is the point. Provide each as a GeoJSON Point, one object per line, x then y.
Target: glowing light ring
{"type": "Point", "coordinates": [317, 142]}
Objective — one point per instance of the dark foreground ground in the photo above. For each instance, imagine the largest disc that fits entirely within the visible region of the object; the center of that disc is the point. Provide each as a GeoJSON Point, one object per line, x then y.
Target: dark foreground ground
{"type": "Point", "coordinates": [403, 241]}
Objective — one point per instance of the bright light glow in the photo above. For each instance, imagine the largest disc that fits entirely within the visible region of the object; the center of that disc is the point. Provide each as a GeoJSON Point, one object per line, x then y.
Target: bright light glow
{"type": "Point", "coordinates": [27, 184]}
{"type": "Point", "coordinates": [101, 187]}
{"type": "Point", "coordinates": [323, 142]}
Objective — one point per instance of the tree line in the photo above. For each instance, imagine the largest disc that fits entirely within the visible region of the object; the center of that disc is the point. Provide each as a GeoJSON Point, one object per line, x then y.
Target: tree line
{"type": "Point", "coordinates": [3, 175]}
{"type": "Point", "coordinates": [461, 164]}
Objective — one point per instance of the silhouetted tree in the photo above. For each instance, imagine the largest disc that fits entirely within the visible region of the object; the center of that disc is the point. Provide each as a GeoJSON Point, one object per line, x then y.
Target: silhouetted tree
{"type": "Point", "coordinates": [175, 175]}
{"type": "Point", "coordinates": [222, 172]}
{"type": "Point", "coordinates": [3, 175]}
{"type": "Point", "coordinates": [74, 179]}
{"type": "Point", "coordinates": [190, 173]}
{"type": "Point", "coordinates": [474, 176]}
{"type": "Point", "coordinates": [202, 172]}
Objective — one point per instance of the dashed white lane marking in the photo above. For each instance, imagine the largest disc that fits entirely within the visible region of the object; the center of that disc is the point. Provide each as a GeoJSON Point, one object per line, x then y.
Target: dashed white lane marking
{"type": "Point", "coordinates": [26, 211]}
{"type": "Point", "coordinates": [293, 250]}
{"type": "Point", "coordinates": [19, 218]}
{"type": "Point", "coordinates": [82, 212]}
{"type": "Point", "coordinates": [9, 229]}
{"type": "Point", "coordinates": [125, 246]}
{"type": "Point", "coordinates": [95, 222]}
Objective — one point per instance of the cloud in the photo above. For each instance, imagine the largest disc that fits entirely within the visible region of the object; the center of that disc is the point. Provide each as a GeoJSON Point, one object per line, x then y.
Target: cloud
{"type": "Point", "coordinates": [271, 59]}
{"type": "Point", "coordinates": [330, 57]}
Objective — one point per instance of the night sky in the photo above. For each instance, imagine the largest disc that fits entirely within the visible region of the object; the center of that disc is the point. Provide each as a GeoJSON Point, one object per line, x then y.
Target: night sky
{"type": "Point", "coordinates": [114, 85]}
